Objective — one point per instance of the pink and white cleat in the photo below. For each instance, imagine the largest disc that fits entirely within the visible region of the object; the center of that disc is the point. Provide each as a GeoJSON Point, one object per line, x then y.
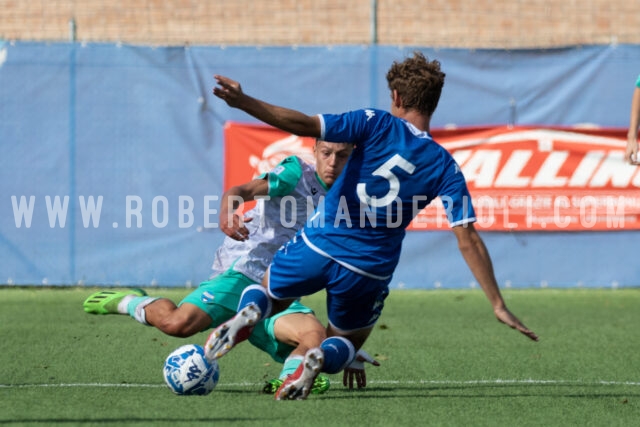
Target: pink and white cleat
{"type": "Point", "coordinates": [231, 332]}
{"type": "Point", "coordinates": [298, 385]}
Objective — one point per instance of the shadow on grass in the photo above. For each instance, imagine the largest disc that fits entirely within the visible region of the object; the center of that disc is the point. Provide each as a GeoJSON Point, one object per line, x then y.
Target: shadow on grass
{"type": "Point", "coordinates": [130, 421]}
{"type": "Point", "coordinates": [486, 391]}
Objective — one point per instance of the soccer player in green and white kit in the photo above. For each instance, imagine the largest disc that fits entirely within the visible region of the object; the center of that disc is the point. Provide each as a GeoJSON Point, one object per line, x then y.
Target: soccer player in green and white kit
{"type": "Point", "coordinates": [242, 260]}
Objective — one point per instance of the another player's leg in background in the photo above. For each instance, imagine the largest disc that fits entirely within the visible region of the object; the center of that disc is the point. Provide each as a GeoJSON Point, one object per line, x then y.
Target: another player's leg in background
{"type": "Point", "coordinates": [321, 384]}
{"type": "Point", "coordinates": [298, 330]}
{"type": "Point", "coordinates": [336, 353]}
{"type": "Point", "coordinates": [333, 355]}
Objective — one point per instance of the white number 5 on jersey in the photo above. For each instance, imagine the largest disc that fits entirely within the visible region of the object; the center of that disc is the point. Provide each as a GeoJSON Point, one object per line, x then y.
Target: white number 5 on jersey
{"type": "Point", "coordinates": [385, 172]}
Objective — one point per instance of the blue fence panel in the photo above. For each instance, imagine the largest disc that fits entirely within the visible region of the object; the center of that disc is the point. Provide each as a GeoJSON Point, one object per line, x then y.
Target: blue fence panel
{"type": "Point", "coordinates": [135, 132]}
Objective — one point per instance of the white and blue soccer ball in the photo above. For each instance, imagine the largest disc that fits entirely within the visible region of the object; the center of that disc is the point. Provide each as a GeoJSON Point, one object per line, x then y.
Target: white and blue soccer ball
{"type": "Point", "coordinates": [188, 372]}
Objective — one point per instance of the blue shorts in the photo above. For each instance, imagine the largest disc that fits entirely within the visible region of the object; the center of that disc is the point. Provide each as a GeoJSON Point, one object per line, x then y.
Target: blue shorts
{"type": "Point", "coordinates": [354, 301]}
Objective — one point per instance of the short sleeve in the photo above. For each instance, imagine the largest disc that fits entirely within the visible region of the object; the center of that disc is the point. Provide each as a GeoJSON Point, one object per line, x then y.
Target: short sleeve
{"type": "Point", "coordinates": [284, 177]}
{"type": "Point", "coordinates": [456, 198]}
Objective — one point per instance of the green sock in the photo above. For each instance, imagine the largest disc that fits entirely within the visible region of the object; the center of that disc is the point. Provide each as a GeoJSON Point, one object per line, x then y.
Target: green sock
{"type": "Point", "coordinates": [290, 366]}
{"type": "Point", "coordinates": [136, 308]}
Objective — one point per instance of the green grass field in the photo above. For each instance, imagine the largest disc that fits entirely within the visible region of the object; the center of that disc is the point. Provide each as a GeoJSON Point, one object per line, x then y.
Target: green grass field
{"type": "Point", "coordinates": [444, 361]}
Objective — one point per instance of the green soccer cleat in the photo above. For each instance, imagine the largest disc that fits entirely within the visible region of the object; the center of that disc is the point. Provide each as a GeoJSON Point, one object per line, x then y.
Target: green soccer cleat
{"type": "Point", "coordinates": [320, 385]}
{"type": "Point", "coordinates": [106, 302]}
{"type": "Point", "coordinates": [271, 386]}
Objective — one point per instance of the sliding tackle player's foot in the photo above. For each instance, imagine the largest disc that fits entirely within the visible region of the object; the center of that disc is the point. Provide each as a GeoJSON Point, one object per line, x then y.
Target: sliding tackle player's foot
{"type": "Point", "coordinates": [231, 332]}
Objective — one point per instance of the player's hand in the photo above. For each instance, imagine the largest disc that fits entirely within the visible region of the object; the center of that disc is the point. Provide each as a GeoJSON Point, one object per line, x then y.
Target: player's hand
{"type": "Point", "coordinates": [228, 90]}
{"type": "Point", "coordinates": [631, 153]}
{"type": "Point", "coordinates": [355, 371]}
{"type": "Point", "coordinates": [504, 316]}
{"type": "Point", "coordinates": [233, 226]}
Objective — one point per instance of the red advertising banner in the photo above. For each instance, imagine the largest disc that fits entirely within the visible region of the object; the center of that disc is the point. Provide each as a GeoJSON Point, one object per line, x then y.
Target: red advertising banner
{"type": "Point", "coordinates": [520, 178]}
{"type": "Point", "coordinates": [251, 150]}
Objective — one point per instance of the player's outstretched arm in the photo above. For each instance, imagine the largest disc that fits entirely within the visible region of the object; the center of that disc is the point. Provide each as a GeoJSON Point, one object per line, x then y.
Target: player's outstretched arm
{"type": "Point", "coordinates": [285, 119]}
{"type": "Point", "coordinates": [477, 257]}
{"type": "Point", "coordinates": [631, 154]}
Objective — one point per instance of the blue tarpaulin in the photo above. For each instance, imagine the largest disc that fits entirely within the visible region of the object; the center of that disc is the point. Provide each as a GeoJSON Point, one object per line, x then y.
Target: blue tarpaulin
{"type": "Point", "coordinates": [136, 132]}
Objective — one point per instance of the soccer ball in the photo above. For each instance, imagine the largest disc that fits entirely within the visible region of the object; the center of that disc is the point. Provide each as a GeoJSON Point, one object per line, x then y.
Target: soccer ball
{"type": "Point", "coordinates": [187, 371]}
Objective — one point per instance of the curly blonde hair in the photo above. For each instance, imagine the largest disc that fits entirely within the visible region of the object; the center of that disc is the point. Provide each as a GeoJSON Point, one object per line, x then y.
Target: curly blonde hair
{"type": "Point", "coordinates": [418, 82]}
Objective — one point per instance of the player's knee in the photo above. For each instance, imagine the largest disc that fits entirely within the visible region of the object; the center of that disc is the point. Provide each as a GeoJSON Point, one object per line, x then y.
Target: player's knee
{"type": "Point", "coordinates": [308, 330]}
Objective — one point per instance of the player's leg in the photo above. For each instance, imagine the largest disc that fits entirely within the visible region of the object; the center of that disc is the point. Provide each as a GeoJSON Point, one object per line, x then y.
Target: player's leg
{"type": "Point", "coordinates": [333, 356]}
{"type": "Point", "coordinates": [298, 385]}
{"type": "Point", "coordinates": [357, 337]}
{"type": "Point", "coordinates": [162, 313]}
{"type": "Point", "coordinates": [354, 303]}
{"type": "Point", "coordinates": [298, 272]}
{"type": "Point", "coordinates": [286, 338]}
{"type": "Point", "coordinates": [110, 301]}
{"type": "Point", "coordinates": [178, 321]}
{"type": "Point", "coordinates": [216, 298]}
{"type": "Point", "coordinates": [235, 330]}
{"type": "Point", "coordinates": [321, 384]}
{"type": "Point", "coordinates": [299, 330]}
{"type": "Point", "coordinates": [212, 303]}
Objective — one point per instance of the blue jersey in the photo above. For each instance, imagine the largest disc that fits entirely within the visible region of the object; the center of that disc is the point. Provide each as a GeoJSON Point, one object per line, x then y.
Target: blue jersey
{"type": "Point", "coordinates": [394, 171]}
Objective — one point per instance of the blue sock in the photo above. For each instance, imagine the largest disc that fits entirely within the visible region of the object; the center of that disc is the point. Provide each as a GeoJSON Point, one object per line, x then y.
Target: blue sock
{"type": "Point", "coordinates": [256, 294]}
{"type": "Point", "coordinates": [338, 353]}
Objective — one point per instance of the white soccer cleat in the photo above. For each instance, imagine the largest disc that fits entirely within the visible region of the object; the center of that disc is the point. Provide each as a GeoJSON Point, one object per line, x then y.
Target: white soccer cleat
{"type": "Point", "coordinates": [231, 332]}
{"type": "Point", "coordinates": [298, 385]}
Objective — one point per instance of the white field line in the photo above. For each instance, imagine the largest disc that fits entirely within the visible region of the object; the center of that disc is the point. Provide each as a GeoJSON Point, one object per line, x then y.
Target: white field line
{"type": "Point", "coordinates": [496, 382]}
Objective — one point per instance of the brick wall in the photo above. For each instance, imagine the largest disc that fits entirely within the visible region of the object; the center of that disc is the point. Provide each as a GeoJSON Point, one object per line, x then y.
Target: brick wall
{"type": "Point", "coordinates": [435, 23]}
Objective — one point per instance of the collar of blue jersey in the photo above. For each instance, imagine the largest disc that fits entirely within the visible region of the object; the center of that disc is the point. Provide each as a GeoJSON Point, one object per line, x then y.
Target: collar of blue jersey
{"type": "Point", "coordinates": [417, 132]}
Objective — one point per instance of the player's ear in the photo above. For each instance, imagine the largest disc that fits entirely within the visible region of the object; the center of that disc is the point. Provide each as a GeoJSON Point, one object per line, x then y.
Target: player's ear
{"type": "Point", "coordinates": [397, 101]}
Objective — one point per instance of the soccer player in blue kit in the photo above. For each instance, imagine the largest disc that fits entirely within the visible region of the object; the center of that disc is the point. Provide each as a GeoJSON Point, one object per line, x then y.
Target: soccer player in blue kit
{"type": "Point", "coordinates": [350, 247]}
